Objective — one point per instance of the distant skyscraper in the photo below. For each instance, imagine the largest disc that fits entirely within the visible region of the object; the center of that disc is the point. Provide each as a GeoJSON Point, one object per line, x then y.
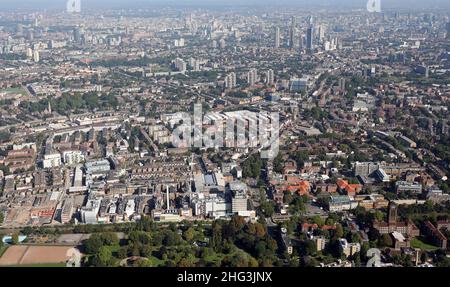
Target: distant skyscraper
{"type": "Point", "coordinates": [230, 80]}
{"type": "Point", "coordinates": [179, 42]}
{"type": "Point", "coordinates": [167, 198]}
{"type": "Point", "coordinates": [270, 77]}
{"type": "Point", "coordinates": [309, 38]}
{"type": "Point", "coordinates": [73, 6]}
{"type": "Point", "coordinates": [29, 53]}
{"type": "Point", "coordinates": [180, 64]}
{"type": "Point", "coordinates": [36, 56]}
{"type": "Point", "coordinates": [77, 35]}
{"type": "Point", "coordinates": [292, 33]}
{"type": "Point", "coordinates": [277, 37]}
{"type": "Point", "coordinates": [251, 77]}
{"type": "Point", "coordinates": [222, 43]}
{"type": "Point", "coordinates": [448, 30]}
{"type": "Point", "coordinates": [321, 32]}
{"type": "Point", "coordinates": [311, 20]}
{"type": "Point", "coordinates": [342, 84]}
{"type": "Point", "coordinates": [237, 35]}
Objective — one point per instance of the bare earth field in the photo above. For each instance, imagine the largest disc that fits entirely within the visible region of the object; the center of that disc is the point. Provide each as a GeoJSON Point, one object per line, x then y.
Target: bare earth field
{"type": "Point", "coordinates": [28, 255]}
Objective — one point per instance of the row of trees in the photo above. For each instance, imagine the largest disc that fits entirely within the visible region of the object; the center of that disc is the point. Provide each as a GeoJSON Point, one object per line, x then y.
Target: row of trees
{"type": "Point", "coordinates": [226, 243]}
{"type": "Point", "coordinates": [68, 103]}
{"type": "Point", "coordinates": [252, 167]}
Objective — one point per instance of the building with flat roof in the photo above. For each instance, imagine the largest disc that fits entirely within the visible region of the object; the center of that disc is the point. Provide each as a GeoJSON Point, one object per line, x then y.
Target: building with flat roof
{"type": "Point", "coordinates": [341, 203]}
{"type": "Point", "coordinates": [97, 166]}
{"type": "Point", "coordinates": [405, 186]}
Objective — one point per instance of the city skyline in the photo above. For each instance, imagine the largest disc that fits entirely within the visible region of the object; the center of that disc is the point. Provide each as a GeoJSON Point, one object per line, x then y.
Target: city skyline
{"type": "Point", "coordinates": [227, 134]}
{"type": "Point", "coordinates": [117, 4]}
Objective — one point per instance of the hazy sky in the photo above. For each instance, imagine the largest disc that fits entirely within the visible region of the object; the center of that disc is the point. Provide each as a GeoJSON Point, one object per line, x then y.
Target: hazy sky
{"type": "Point", "coordinates": [90, 4]}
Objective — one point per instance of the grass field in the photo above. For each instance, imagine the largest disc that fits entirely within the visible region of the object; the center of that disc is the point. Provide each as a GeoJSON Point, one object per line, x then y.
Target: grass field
{"type": "Point", "coordinates": [417, 243]}
{"type": "Point", "coordinates": [3, 249]}
{"type": "Point", "coordinates": [156, 262]}
{"type": "Point", "coordinates": [18, 90]}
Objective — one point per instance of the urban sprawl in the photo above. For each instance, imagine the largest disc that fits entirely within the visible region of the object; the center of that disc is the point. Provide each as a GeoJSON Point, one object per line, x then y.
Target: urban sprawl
{"type": "Point", "coordinates": [90, 102]}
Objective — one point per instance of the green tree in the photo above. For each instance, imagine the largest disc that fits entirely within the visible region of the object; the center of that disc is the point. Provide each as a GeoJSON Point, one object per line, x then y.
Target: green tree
{"type": "Point", "coordinates": [385, 241]}
{"type": "Point", "coordinates": [278, 163]}
{"type": "Point", "coordinates": [339, 230]}
{"type": "Point", "coordinates": [122, 253]}
{"type": "Point", "coordinates": [236, 224]}
{"type": "Point", "coordinates": [189, 234]}
{"type": "Point", "coordinates": [216, 240]}
{"type": "Point", "coordinates": [145, 250]}
{"type": "Point", "coordinates": [357, 260]}
{"type": "Point", "coordinates": [15, 239]}
{"type": "Point", "coordinates": [103, 257]}
{"type": "Point", "coordinates": [252, 167]}
{"type": "Point", "coordinates": [310, 247]}
{"type": "Point", "coordinates": [141, 262]}
{"type": "Point", "coordinates": [140, 237]}
{"type": "Point", "coordinates": [260, 230]}
{"type": "Point", "coordinates": [109, 238]}
{"type": "Point", "coordinates": [93, 244]}
{"type": "Point", "coordinates": [378, 215]}
{"type": "Point", "coordinates": [252, 262]}
{"type": "Point", "coordinates": [27, 230]}
{"type": "Point", "coordinates": [267, 208]}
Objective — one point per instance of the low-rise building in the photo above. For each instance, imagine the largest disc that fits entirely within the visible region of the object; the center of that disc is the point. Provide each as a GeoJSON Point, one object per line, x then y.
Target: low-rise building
{"type": "Point", "coordinates": [73, 157]}
{"type": "Point", "coordinates": [341, 203]}
{"type": "Point", "coordinates": [51, 160]}
{"type": "Point", "coordinates": [97, 166]}
{"type": "Point", "coordinates": [410, 187]}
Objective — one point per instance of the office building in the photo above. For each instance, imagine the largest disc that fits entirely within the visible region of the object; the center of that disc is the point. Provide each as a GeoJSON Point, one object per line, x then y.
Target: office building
{"type": "Point", "coordinates": [277, 37]}
{"type": "Point", "coordinates": [270, 80]}
{"type": "Point", "coordinates": [448, 30]}
{"type": "Point", "coordinates": [180, 64]}
{"type": "Point", "coordinates": [179, 42]}
{"type": "Point", "coordinates": [73, 157]}
{"type": "Point", "coordinates": [321, 33]}
{"type": "Point", "coordinates": [292, 33]}
{"type": "Point", "coordinates": [51, 160]}
{"type": "Point", "coordinates": [36, 57]}
{"type": "Point", "coordinates": [252, 77]}
{"type": "Point", "coordinates": [97, 166]}
{"type": "Point", "coordinates": [239, 201]}
{"type": "Point", "coordinates": [230, 80]}
{"type": "Point", "coordinates": [310, 38]}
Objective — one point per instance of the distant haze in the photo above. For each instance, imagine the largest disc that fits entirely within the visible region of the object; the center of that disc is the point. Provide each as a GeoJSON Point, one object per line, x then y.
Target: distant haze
{"type": "Point", "coordinates": [117, 4]}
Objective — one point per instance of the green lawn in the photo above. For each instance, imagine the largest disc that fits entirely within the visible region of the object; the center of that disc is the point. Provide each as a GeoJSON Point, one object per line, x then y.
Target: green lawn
{"type": "Point", "coordinates": [18, 90]}
{"type": "Point", "coordinates": [417, 243]}
{"type": "Point", "coordinates": [156, 262]}
{"type": "Point", "coordinates": [3, 249]}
